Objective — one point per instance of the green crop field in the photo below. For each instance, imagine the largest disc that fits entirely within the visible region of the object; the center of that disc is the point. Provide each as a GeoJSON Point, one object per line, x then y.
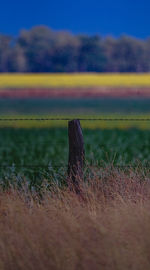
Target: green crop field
{"type": "Point", "coordinates": [36, 154]}
{"type": "Point", "coordinates": [76, 106]}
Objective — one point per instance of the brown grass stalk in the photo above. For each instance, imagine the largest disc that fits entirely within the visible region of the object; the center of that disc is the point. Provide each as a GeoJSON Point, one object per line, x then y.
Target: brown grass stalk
{"type": "Point", "coordinates": [107, 226]}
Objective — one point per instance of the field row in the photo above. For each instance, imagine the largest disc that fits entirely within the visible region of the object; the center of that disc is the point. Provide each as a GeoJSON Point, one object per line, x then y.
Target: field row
{"type": "Point", "coordinates": [74, 80]}
{"type": "Point", "coordinates": [74, 106]}
{"type": "Point", "coordinates": [90, 122]}
{"type": "Point", "coordinates": [50, 146]}
{"type": "Point", "coordinates": [31, 155]}
{"type": "Point", "coordinates": [75, 92]}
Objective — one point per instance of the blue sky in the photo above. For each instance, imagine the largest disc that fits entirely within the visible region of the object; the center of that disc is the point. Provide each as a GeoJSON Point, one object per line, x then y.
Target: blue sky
{"type": "Point", "coordinates": [78, 16]}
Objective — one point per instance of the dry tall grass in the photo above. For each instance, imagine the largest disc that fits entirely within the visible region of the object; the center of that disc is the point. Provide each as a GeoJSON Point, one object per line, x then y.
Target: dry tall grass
{"type": "Point", "coordinates": [107, 226]}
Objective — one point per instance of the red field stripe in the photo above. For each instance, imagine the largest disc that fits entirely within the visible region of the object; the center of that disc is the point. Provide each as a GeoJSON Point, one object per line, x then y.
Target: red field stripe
{"type": "Point", "coordinates": [74, 92]}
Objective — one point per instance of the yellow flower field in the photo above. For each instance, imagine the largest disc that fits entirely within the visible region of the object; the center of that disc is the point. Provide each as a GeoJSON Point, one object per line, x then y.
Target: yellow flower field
{"type": "Point", "coordinates": [49, 80]}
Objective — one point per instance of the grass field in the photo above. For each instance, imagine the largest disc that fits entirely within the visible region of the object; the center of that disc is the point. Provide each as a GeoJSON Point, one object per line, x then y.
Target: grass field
{"type": "Point", "coordinates": [74, 80]}
{"type": "Point", "coordinates": [105, 227]}
{"type": "Point", "coordinates": [37, 154]}
{"type": "Point", "coordinates": [43, 223]}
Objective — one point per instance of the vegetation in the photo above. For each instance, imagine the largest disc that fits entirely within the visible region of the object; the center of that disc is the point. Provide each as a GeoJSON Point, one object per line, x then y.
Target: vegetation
{"type": "Point", "coordinates": [30, 156]}
{"type": "Point", "coordinates": [105, 227]}
{"type": "Point", "coordinates": [43, 223]}
{"type": "Point", "coordinates": [74, 107]}
{"type": "Point", "coordinates": [101, 121]}
{"type": "Point", "coordinates": [73, 80]}
{"type": "Point", "coordinates": [42, 50]}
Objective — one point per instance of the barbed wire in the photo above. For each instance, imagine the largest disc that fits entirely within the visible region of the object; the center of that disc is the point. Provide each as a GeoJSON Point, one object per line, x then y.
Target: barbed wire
{"type": "Point", "coordinates": [32, 166]}
{"type": "Point", "coordinates": [65, 143]}
{"type": "Point", "coordinates": [65, 165]}
{"type": "Point", "coordinates": [70, 119]}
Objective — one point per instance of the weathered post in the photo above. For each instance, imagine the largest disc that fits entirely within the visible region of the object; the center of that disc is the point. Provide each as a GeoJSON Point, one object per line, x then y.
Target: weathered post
{"type": "Point", "coordinates": [76, 153]}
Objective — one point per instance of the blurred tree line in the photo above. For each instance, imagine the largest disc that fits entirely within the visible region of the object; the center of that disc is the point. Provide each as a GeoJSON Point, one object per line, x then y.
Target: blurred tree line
{"type": "Point", "coordinates": [43, 50]}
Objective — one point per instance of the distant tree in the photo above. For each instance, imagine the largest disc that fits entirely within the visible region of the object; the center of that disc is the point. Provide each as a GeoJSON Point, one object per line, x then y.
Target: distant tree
{"type": "Point", "coordinates": [42, 50]}
{"type": "Point", "coordinates": [147, 52]}
{"type": "Point", "coordinates": [5, 53]}
{"type": "Point", "coordinates": [37, 45]}
{"type": "Point", "coordinates": [65, 55]}
{"type": "Point", "coordinates": [20, 60]}
{"type": "Point", "coordinates": [125, 55]}
{"type": "Point", "coordinates": [91, 55]}
{"type": "Point", "coordinates": [109, 44]}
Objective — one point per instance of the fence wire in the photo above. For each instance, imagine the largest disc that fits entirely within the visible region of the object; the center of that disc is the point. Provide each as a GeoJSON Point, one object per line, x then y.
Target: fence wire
{"type": "Point", "coordinates": [69, 119]}
{"type": "Point", "coordinates": [65, 165]}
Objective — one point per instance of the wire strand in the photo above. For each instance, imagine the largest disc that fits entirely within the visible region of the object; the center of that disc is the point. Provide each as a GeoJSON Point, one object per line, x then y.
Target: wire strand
{"type": "Point", "coordinates": [64, 165]}
{"type": "Point", "coordinates": [69, 119]}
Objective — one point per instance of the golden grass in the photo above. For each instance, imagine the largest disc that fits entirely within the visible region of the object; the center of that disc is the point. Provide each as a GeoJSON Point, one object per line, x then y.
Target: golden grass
{"type": "Point", "coordinates": [48, 80]}
{"type": "Point", "coordinates": [106, 227]}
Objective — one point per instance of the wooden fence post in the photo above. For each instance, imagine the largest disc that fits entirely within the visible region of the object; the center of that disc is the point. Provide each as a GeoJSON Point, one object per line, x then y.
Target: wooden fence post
{"type": "Point", "coordinates": [76, 153]}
